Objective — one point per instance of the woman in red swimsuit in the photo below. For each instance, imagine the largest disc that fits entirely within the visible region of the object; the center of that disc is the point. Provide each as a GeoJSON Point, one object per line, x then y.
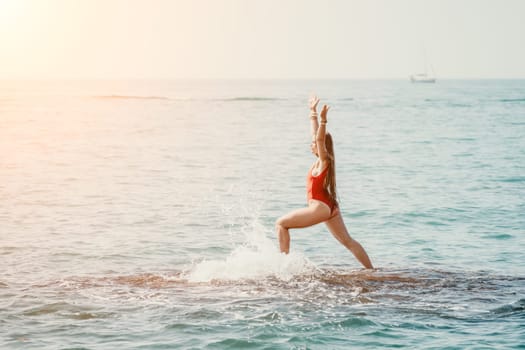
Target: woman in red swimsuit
{"type": "Point", "coordinates": [321, 193]}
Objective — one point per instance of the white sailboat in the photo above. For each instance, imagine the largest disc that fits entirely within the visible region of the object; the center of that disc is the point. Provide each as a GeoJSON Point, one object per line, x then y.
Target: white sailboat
{"type": "Point", "coordinates": [424, 77]}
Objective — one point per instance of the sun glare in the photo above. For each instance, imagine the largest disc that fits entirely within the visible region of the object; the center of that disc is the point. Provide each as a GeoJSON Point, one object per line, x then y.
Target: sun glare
{"type": "Point", "coordinates": [10, 12]}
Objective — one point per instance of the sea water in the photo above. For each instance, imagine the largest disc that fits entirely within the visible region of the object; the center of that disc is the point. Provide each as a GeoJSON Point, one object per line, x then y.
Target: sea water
{"type": "Point", "coordinates": [140, 215]}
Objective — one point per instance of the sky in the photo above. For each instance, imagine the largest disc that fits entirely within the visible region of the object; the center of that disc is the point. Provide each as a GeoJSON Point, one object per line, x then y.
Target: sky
{"type": "Point", "coordinates": [261, 39]}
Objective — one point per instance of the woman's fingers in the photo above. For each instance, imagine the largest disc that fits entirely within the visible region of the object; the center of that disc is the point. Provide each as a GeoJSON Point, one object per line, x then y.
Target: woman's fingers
{"type": "Point", "coordinates": [324, 111]}
{"type": "Point", "coordinates": [314, 100]}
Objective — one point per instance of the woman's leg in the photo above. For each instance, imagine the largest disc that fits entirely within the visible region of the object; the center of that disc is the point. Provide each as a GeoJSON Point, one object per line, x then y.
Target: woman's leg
{"type": "Point", "coordinates": [338, 229]}
{"type": "Point", "coordinates": [315, 213]}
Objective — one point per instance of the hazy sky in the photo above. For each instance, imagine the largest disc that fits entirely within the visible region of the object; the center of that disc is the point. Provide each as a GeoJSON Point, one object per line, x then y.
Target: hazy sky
{"type": "Point", "coordinates": [333, 39]}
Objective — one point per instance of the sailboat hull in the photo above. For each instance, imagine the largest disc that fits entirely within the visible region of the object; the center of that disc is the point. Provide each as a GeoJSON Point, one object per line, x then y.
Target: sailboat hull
{"type": "Point", "coordinates": [422, 78]}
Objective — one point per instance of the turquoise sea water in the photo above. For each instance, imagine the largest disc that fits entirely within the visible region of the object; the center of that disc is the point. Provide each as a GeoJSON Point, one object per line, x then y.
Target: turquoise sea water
{"type": "Point", "coordinates": [139, 215]}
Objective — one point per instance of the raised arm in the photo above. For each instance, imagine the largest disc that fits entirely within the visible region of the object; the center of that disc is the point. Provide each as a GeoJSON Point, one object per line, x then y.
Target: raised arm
{"type": "Point", "coordinates": [320, 137]}
{"type": "Point", "coordinates": [314, 100]}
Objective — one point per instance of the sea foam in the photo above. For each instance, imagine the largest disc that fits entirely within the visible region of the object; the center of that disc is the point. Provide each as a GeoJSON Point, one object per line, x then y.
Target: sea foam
{"type": "Point", "coordinates": [258, 257]}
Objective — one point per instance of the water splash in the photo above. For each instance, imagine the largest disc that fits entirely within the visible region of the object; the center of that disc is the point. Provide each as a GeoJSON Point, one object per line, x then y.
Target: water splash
{"type": "Point", "coordinates": [258, 257]}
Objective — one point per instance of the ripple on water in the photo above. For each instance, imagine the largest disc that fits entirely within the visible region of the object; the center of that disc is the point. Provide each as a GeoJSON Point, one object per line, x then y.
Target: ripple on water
{"type": "Point", "coordinates": [66, 310]}
{"type": "Point", "coordinates": [498, 236]}
{"type": "Point", "coordinates": [508, 310]}
{"type": "Point", "coordinates": [325, 287]}
{"type": "Point", "coordinates": [316, 307]}
{"type": "Point", "coordinates": [514, 179]}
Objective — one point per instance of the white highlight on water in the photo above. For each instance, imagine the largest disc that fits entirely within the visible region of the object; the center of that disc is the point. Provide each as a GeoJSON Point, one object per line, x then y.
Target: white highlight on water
{"type": "Point", "coordinates": [258, 257]}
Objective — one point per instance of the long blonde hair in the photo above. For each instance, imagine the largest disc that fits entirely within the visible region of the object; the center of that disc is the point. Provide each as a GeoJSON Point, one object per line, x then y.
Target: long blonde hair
{"type": "Point", "coordinates": [329, 181]}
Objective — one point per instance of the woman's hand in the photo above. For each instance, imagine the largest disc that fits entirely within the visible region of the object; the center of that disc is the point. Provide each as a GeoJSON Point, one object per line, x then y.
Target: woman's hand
{"type": "Point", "coordinates": [324, 112]}
{"type": "Point", "coordinates": [314, 100]}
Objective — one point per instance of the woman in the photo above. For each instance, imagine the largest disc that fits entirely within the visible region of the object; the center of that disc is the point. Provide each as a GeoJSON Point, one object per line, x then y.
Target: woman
{"type": "Point", "coordinates": [321, 193]}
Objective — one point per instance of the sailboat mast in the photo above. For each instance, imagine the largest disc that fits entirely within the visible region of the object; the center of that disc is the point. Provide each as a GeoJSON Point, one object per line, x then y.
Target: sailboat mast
{"type": "Point", "coordinates": [425, 67]}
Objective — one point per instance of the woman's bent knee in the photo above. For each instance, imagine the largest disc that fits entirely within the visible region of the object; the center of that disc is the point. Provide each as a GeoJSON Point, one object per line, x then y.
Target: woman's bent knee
{"type": "Point", "coordinates": [280, 223]}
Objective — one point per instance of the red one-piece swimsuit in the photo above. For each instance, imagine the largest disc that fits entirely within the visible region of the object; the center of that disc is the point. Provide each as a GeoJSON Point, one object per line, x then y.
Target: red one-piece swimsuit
{"type": "Point", "coordinates": [315, 188]}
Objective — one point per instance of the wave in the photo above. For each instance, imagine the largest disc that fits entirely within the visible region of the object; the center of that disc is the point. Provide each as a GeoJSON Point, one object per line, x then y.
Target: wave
{"type": "Point", "coordinates": [446, 102]}
{"type": "Point", "coordinates": [232, 99]}
{"type": "Point", "coordinates": [498, 236]}
{"type": "Point", "coordinates": [252, 98]}
{"type": "Point", "coordinates": [459, 105]}
{"type": "Point", "coordinates": [512, 100]}
{"type": "Point", "coordinates": [142, 280]}
{"type": "Point", "coordinates": [131, 97]}
{"type": "Point", "coordinates": [517, 307]}
{"type": "Point", "coordinates": [66, 310]}
{"type": "Point", "coordinates": [513, 179]}
{"type": "Point", "coordinates": [459, 139]}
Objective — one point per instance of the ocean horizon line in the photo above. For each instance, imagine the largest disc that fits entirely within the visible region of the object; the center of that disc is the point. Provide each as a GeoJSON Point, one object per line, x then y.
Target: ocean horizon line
{"type": "Point", "coordinates": [407, 78]}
